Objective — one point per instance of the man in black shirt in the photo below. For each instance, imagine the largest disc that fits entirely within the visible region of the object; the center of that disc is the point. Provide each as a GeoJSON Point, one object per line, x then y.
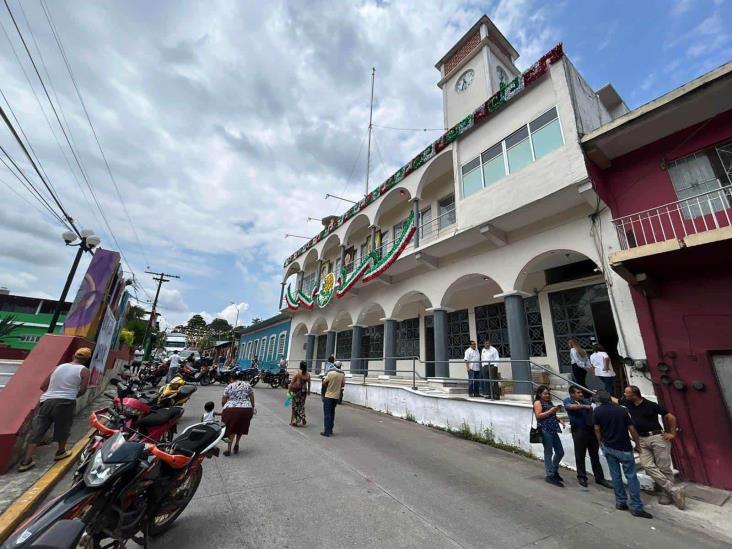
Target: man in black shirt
{"type": "Point", "coordinates": [655, 443]}
{"type": "Point", "coordinates": [612, 425]}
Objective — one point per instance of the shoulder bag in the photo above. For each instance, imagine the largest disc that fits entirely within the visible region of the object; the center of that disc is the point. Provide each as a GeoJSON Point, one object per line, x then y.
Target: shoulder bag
{"type": "Point", "coordinates": [534, 432]}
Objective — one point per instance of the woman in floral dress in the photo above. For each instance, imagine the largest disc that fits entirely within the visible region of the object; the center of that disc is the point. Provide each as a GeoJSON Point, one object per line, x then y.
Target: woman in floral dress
{"type": "Point", "coordinates": [238, 410]}
{"type": "Point", "coordinates": [299, 389]}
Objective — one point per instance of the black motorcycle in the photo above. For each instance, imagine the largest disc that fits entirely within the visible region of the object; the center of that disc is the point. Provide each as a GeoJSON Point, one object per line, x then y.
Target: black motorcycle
{"type": "Point", "coordinates": [276, 379]}
{"type": "Point", "coordinates": [219, 374]}
{"type": "Point", "coordinates": [128, 490]}
{"type": "Point", "coordinates": [251, 375]}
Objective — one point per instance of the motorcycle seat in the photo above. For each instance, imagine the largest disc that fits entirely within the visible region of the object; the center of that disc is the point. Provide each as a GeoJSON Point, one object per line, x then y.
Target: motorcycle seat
{"type": "Point", "coordinates": [196, 438]}
{"type": "Point", "coordinates": [158, 417]}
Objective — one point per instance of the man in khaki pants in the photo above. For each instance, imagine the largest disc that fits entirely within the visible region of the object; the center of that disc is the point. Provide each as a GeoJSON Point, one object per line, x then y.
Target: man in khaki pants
{"type": "Point", "coordinates": [655, 444]}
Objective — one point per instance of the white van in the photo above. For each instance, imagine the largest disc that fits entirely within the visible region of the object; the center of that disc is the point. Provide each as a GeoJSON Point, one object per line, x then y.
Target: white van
{"type": "Point", "coordinates": [175, 342]}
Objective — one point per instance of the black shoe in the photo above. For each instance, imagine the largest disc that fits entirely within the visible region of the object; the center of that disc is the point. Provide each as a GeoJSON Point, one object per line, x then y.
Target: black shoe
{"type": "Point", "coordinates": [556, 476]}
{"type": "Point", "coordinates": [324, 435]}
{"type": "Point", "coordinates": [555, 481]}
{"type": "Point", "coordinates": [621, 506]}
{"type": "Point", "coordinates": [641, 514]}
{"type": "Point", "coordinates": [583, 482]}
{"type": "Point", "coordinates": [605, 483]}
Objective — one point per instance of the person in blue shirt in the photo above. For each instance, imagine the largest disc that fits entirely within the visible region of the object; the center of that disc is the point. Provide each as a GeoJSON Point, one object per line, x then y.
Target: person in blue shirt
{"type": "Point", "coordinates": [579, 411]}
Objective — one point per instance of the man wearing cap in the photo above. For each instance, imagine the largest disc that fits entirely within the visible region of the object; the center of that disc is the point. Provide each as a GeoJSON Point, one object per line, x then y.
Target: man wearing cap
{"type": "Point", "coordinates": [57, 405]}
{"type": "Point", "coordinates": [332, 391]}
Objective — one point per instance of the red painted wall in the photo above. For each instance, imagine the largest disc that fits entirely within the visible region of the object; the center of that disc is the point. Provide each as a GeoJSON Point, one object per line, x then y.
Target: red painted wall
{"type": "Point", "coordinates": [688, 314]}
{"type": "Point", "coordinates": [19, 398]}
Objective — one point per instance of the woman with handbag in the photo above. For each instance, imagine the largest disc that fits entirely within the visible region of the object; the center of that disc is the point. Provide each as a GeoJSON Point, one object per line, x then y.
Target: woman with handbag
{"type": "Point", "coordinates": [299, 389]}
{"type": "Point", "coordinates": [548, 424]}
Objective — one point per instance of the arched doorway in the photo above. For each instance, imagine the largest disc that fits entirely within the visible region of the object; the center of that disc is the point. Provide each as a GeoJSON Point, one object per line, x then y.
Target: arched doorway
{"type": "Point", "coordinates": [414, 333]}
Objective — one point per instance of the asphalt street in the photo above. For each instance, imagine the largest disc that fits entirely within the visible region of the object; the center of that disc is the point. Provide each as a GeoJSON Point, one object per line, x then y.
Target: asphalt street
{"type": "Point", "coordinates": [385, 482]}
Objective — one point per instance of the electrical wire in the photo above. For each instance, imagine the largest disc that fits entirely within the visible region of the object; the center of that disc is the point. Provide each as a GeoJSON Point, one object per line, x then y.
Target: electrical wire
{"type": "Point", "coordinates": [381, 157]}
{"type": "Point", "coordinates": [62, 50]}
{"type": "Point", "coordinates": [409, 129]}
{"type": "Point", "coordinates": [355, 162]}
{"type": "Point", "coordinates": [24, 199]}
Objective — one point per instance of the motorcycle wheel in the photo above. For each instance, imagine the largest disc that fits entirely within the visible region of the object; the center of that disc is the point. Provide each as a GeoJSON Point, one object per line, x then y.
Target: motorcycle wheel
{"type": "Point", "coordinates": [254, 381]}
{"type": "Point", "coordinates": [205, 380]}
{"type": "Point", "coordinates": [275, 382]}
{"type": "Point", "coordinates": [175, 503]}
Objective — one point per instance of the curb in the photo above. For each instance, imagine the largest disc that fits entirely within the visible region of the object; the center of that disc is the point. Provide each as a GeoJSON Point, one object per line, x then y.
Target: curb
{"type": "Point", "coordinates": [23, 506]}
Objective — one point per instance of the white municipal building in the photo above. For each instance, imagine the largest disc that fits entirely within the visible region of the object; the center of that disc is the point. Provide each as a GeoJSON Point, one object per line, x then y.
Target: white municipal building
{"type": "Point", "coordinates": [492, 231]}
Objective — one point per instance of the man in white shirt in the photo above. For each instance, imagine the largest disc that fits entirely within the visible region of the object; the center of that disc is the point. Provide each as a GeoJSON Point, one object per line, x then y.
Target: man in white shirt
{"type": "Point", "coordinates": [174, 363]}
{"type": "Point", "coordinates": [61, 388]}
{"type": "Point", "coordinates": [488, 357]}
{"type": "Point", "coordinates": [472, 365]}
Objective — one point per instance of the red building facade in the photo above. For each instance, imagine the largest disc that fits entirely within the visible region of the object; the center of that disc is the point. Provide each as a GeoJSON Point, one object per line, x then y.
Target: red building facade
{"type": "Point", "coordinates": [665, 172]}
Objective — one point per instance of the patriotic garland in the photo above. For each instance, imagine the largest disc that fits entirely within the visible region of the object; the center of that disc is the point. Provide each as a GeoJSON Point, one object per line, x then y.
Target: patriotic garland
{"type": "Point", "coordinates": [371, 266]}
{"type": "Point", "coordinates": [478, 117]}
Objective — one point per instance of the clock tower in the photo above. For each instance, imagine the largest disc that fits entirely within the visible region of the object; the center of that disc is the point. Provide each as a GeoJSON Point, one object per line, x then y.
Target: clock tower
{"type": "Point", "coordinates": [473, 70]}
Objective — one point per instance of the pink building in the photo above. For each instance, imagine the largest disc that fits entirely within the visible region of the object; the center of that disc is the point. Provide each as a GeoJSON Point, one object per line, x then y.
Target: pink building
{"type": "Point", "coordinates": [665, 172]}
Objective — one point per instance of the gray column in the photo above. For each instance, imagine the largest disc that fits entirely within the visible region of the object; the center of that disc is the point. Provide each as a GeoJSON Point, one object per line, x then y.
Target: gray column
{"type": "Point", "coordinates": [300, 278]}
{"type": "Point", "coordinates": [309, 350]}
{"type": "Point", "coordinates": [342, 257]}
{"type": "Point", "coordinates": [415, 209]}
{"type": "Point", "coordinates": [390, 333]}
{"type": "Point", "coordinates": [356, 340]}
{"type": "Point", "coordinates": [330, 336]}
{"type": "Point", "coordinates": [518, 338]}
{"type": "Point", "coordinates": [282, 296]}
{"type": "Point", "coordinates": [373, 237]}
{"type": "Point", "coordinates": [442, 366]}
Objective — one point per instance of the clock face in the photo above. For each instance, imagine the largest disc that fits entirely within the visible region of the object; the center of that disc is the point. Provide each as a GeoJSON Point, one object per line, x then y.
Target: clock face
{"type": "Point", "coordinates": [463, 83]}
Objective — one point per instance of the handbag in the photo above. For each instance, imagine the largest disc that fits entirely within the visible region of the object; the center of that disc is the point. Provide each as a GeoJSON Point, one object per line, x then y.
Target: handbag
{"type": "Point", "coordinates": [535, 432]}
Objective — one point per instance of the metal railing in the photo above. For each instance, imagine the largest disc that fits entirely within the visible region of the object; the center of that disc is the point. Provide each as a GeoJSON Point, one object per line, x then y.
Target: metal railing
{"type": "Point", "coordinates": [362, 369]}
{"type": "Point", "coordinates": [697, 214]}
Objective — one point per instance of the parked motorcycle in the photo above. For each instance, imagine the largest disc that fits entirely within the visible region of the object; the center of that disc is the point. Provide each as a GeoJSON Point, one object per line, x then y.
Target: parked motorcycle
{"type": "Point", "coordinates": [195, 375]}
{"type": "Point", "coordinates": [276, 379]}
{"type": "Point", "coordinates": [127, 490]}
{"type": "Point", "coordinates": [222, 375]}
{"type": "Point", "coordinates": [251, 375]}
{"type": "Point", "coordinates": [175, 393]}
{"type": "Point", "coordinates": [153, 373]}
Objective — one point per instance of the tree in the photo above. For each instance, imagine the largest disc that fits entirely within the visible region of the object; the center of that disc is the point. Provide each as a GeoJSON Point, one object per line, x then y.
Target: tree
{"type": "Point", "coordinates": [219, 326]}
{"type": "Point", "coordinates": [196, 322]}
{"type": "Point", "coordinates": [127, 337]}
{"type": "Point", "coordinates": [8, 326]}
{"type": "Point", "coordinates": [256, 320]}
{"type": "Point", "coordinates": [135, 313]}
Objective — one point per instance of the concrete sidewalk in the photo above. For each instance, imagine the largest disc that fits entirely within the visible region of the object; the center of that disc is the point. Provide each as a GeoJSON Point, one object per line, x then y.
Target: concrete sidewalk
{"type": "Point", "coordinates": [13, 484]}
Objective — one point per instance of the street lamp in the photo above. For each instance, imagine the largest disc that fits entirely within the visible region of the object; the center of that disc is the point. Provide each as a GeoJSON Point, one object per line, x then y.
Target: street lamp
{"type": "Point", "coordinates": [237, 319]}
{"type": "Point", "coordinates": [86, 243]}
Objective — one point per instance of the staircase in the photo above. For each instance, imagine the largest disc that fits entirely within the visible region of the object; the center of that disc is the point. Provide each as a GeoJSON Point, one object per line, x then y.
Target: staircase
{"type": "Point", "coordinates": [7, 369]}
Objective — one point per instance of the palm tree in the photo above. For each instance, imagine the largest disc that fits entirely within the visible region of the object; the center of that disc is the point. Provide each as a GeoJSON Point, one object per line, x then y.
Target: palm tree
{"type": "Point", "coordinates": [7, 326]}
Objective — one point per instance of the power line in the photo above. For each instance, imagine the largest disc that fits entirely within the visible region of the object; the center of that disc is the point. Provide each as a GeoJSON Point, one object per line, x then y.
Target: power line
{"type": "Point", "coordinates": [48, 121]}
{"type": "Point", "coordinates": [355, 162]}
{"type": "Point", "coordinates": [410, 129]}
{"type": "Point", "coordinates": [62, 50]}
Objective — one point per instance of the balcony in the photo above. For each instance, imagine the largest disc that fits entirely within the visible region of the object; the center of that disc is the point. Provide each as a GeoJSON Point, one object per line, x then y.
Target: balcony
{"type": "Point", "coordinates": [692, 221]}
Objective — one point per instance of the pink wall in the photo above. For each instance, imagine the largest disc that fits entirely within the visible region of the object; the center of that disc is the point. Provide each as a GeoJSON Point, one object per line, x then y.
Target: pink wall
{"type": "Point", "coordinates": [688, 314]}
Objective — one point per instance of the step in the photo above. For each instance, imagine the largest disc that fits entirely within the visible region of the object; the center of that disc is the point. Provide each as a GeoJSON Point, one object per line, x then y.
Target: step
{"type": "Point", "coordinates": [9, 366]}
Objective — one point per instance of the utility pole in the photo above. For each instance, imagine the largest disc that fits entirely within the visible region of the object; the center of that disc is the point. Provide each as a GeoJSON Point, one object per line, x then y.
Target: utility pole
{"type": "Point", "coordinates": [371, 115]}
{"type": "Point", "coordinates": [159, 278]}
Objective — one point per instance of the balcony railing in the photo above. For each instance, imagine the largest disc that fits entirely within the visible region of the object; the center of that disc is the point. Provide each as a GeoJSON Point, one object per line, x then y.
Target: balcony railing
{"type": "Point", "coordinates": [677, 220]}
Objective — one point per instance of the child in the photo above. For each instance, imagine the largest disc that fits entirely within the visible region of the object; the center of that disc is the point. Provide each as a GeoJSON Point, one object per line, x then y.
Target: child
{"type": "Point", "coordinates": [209, 415]}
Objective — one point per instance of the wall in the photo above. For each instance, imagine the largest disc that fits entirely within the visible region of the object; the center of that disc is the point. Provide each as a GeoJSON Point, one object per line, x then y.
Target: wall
{"type": "Point", "coordinates": [35, 325]}
{"type": "Point", "coordinates": [271, 360]}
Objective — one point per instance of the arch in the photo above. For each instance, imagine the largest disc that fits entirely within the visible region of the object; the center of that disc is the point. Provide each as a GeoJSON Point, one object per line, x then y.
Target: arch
{"type": "Point", "coordinates": [371, 314]}
{"type": "Point", "coordinates": [438, 166]}
{"type": "Point", "coordinates": [300, 329]}
{"type": "Point", "coordinates": [311, 259]}
{"type": "Point", "coordinates": [358, 223]}
{"type": "Point", "coordinates": [332, 243]}
{"type": "Point", "coordinates": [409, 300]}
{"type": "Point", "coordinates": [292, 268]}
{"type": "Point", "coordinates": [319, 326]}
{"type": "Point", "coordinates": [296, 349]}
{"type": "Point", "coordinates": [393, 199]}
{"type": "Point", "coordinates": [547, 260]}
{"type": "Point", "coordinates": [473, 287]}
{"type": "Point", "coordinates": [342, 321]}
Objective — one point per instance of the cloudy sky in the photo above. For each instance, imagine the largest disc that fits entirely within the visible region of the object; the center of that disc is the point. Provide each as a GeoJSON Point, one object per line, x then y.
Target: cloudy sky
{"type": "Point", "coordinates": [226, 122]}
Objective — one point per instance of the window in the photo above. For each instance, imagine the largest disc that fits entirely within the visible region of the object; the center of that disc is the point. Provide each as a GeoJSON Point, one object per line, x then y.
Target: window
{"type": "Point", "coordinates": [272, 340]}
{"type": "Point", "coordinates": [344, 342]}
{"type": "Point", "coordinates": [281, 344]}
{"type": "Point", "coordinates": [537, 346]}
{"type": "Point", "coordinates": [491, 323]}
{"type": "Point", "coordinates": [699, 173]}
{"type": "Point", "coordinates": [30, 339]}
{"type": "Point", "coordinates": [248, 353]}
{"type": "Point", "coordinates": [407, 336]}
{"type": "Point", "coordinates": [546, 134]}
{"type": "Point", "coordinates": [372, 344]}
{"type": "Point", "coordinates": [425, 226]}
{"type": "Point", "coordinates": [527, 144]}
{"type": "Point", "coordinates": [255, 350]}
{"type": "Point", "coordinates": [263, 349]}
{"type": "Point", "coordinates": [518, 150]}
{"type": "Point", "coordinates": [472, 181]}
{"type": "Point", "coordinates": [494, 167]}
{"type": "Point", "coordinates": [458, 333]}
{"type": "Point", "coordinates": [308, 282]}
{"type": "Point", "coordinates": [447, 211]}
